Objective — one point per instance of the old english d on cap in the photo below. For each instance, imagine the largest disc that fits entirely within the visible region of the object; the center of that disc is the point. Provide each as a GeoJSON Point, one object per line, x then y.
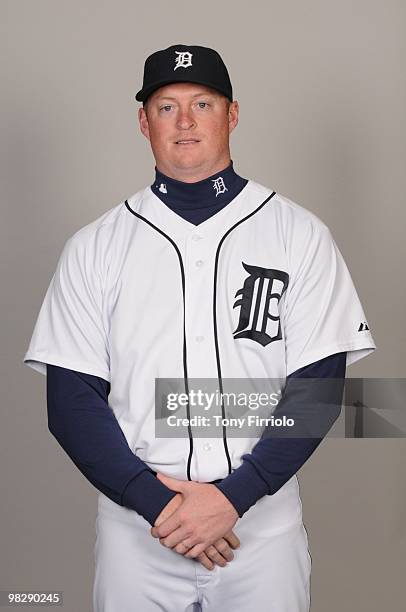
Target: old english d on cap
{"type": "Point", "coordinates": [185, 64]}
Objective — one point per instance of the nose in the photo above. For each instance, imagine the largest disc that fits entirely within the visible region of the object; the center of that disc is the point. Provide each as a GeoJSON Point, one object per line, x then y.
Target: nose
{"type": "Point", "coordinates": [185, 119]}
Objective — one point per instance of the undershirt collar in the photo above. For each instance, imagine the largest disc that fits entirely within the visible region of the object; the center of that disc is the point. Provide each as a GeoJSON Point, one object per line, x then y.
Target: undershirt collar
{"type": "Point", "coordinates": [198, 201]}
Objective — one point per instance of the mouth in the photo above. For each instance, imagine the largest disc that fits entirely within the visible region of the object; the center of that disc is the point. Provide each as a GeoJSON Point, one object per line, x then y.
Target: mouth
{"type": "Point", "coordinates": [188, 142]}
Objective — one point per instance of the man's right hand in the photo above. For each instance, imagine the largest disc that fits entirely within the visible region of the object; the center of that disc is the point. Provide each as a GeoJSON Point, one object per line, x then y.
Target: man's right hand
{"type": "Point", "coordinates": [218, 553]}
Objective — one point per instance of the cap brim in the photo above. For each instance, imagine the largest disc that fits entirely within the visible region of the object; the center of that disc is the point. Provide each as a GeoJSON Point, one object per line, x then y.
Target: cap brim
{"type": "Point", "coordinates": [143, 94]}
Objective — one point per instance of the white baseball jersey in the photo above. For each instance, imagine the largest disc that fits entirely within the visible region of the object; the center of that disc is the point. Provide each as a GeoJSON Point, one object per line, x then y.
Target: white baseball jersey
{"type": "Point", "coordinates": [258, 290]}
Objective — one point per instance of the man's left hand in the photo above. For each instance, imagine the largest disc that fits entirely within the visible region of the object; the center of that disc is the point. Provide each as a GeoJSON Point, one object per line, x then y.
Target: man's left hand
{"type": "Point", "coordinates": [204, 517]}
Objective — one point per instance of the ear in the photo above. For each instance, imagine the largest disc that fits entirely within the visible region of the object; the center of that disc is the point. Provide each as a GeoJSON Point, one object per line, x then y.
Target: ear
{"type": "Point", "coordinates": [233, 112]}
{"type": "Point", "coordinates": [143, 121]}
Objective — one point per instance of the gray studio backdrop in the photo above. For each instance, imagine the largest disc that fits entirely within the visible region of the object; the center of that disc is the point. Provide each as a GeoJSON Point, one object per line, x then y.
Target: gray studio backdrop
{"type": "Point", "coordinates": [322, 94]}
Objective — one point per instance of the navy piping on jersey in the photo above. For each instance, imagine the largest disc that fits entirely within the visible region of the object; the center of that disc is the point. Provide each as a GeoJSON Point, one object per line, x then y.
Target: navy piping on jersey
{"type": "Point", "coordinates": [185, 374]}
{"type": "Point", "coordinates": [215, 320]}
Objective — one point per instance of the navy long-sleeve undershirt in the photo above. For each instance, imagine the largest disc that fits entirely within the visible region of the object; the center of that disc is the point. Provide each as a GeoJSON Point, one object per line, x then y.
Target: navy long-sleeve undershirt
{"type": "Point", "coordinates": [274, 460]}
{"type": "Point", "coordinates": [83, 423]}
{"type": "Point", "coordinates": [85, 426]}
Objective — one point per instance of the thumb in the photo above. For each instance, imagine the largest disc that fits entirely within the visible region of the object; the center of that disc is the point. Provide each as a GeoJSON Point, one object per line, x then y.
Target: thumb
{"type": "Point", "coordinates": [172, 483]}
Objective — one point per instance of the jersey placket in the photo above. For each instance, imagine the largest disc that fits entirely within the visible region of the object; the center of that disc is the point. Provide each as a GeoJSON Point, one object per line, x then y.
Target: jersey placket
{"type": "Point", "coordinates": [208, 452]}
{"type": "Point", "coordinates": [198, 246]}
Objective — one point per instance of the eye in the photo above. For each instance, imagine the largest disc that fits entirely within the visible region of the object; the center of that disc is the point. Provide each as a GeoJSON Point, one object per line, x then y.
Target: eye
{"type": "Point", "coordinates": [167, 106]}
{"type": "Point", "coordinates": [204, 104]}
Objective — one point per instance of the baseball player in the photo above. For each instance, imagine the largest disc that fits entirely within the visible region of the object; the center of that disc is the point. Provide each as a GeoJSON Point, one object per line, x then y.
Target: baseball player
{"type": "Point", "coordinates": [201, 275]}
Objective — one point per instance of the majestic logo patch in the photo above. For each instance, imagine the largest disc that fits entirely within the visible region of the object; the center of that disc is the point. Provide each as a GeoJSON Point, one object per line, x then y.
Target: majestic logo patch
{"type": "Point", "coordinates": [363, 326]}
{"type": "Point", "coordinates": [162, 188]}
{"type": "Point", "coordinates": [219, 186]}
{"type": "Point", "coordinates": [260, 296]}
{"type": "Point", "coordinates": [184, 59]}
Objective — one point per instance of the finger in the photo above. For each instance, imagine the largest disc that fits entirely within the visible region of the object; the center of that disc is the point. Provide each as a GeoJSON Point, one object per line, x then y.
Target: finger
{"type": "Point", "coordinates": [195, 551]}
{"type": "Point", "coordinates": [169, 525]}
{"type": "Point", "coordinates": [171, 483]}
{"type": "Point", "coordinates": [204, 560]}
{"type": "Point", "coordinates": [160, 520]}
{"type": "Point", "coordinates": [232, 539]}
{"type": "Point", "coordinates": [182, 547]}
{"type": "Point", "coordinates": [215, 556]}
{"type": "Point", "coordinates": [176, 537]}
{"type": "Point", "coordinates": [224, 549]}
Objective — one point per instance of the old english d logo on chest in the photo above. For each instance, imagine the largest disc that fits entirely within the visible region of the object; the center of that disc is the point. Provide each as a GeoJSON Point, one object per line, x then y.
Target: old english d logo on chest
{"type": "Point", "coordinates": [260, 295]}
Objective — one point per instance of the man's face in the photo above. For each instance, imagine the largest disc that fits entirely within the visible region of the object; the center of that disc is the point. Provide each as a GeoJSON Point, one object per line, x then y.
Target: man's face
{"type": "Point", "coordinates": [188, 126]}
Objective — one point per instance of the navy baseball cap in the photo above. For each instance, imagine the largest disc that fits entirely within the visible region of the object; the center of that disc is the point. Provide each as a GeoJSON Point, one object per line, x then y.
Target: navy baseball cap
{"type": "Point", "coordinates": [185, 64]}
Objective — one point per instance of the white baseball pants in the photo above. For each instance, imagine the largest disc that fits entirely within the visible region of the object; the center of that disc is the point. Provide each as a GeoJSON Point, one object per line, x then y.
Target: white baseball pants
{"type": "Point", "coordinates": [135, 573]}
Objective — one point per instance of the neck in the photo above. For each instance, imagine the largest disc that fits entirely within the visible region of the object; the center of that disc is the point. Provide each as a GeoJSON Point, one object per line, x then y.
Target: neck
{"type": "Point", "coordinates": [193, 175]}
{"type": "Point", "coordinates": [197, 200]}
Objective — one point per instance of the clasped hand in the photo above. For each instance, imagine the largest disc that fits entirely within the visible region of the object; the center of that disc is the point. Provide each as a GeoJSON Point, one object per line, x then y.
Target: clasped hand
{"type": "Point", "coordinates": [197, 523]}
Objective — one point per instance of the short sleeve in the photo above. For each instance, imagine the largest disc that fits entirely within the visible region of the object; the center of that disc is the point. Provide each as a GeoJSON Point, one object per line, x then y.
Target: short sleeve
{"type": "Point", "coordinates": [322, 311]}
{"type": "Point", "coordinates": [69, 331]}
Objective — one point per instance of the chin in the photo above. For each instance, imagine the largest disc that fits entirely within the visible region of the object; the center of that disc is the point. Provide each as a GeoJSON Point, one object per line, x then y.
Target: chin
{"type": "Point", "coordinates": [190, 161]}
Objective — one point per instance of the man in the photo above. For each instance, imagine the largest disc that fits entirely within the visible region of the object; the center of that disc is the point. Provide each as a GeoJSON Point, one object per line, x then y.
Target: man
{"type": "Point", "coordinates": [202, 275]}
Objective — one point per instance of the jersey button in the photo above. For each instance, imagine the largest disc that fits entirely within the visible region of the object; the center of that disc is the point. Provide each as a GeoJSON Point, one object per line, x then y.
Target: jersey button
{"type": "Point", "coordinates": [199, 338]}
{"type": "Point", "coordinates": [207, 446]}
{"type": "Point", "coordinates": [196, 237]}
{"type": "Point", "coordinates": [199, 263]}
